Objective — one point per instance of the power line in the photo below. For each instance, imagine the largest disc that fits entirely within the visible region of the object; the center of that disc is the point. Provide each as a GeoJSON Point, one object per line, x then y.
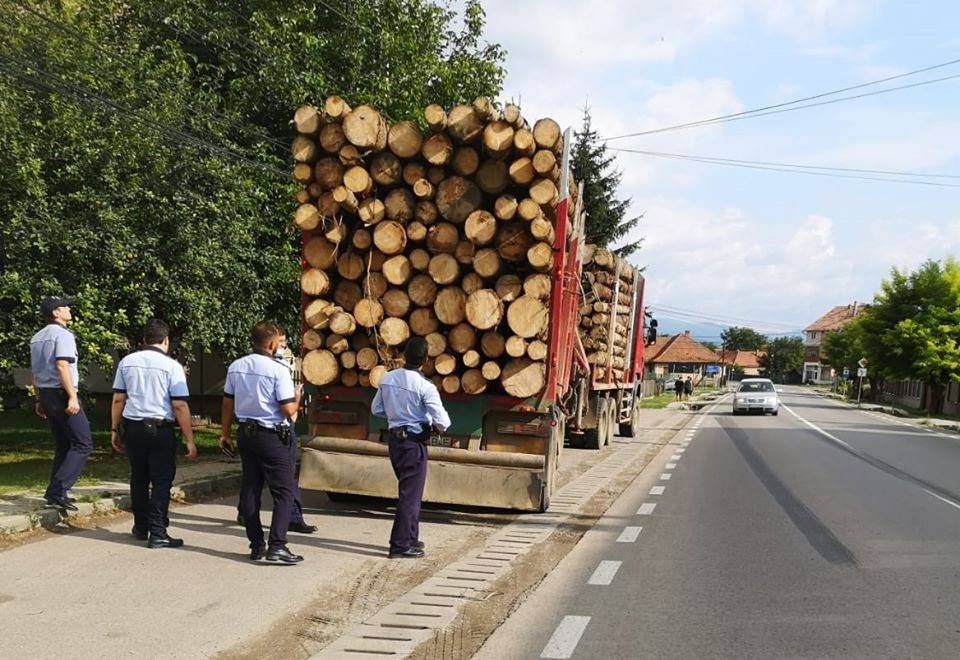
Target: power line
{"type": "Point", "coordinates": [71, 32]}
{"type": "Point", "coordinates": [783, 107]}
{"type": "Point", "coordinates": [63, 87]}
{"type": "Point", "coordinates": [716, 318]}
{"type": "Point", "coordinates": [836, 173]}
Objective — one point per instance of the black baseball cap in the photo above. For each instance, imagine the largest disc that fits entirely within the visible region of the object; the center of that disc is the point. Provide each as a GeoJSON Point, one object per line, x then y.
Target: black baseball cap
{"type": "Point", "coordinates": [47, 305]}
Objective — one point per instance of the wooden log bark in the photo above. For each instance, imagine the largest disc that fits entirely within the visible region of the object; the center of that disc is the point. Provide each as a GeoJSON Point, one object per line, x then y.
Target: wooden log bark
{"type": "Point", "coordinates": [450, 305]}
{"type": "Point", "coordinates": [365, 128]}
{"type": "Point", "coordinates": [396, 303]}
{"type": "Point", "coordinates": [484, 309]}
{"type": "Point", "coordinates": [307, 120]}
{"type": "Point", "coordinates": [527, 317]}
{"type": "Point", "coordinates": [456, 198]}
{"type": "Point", "coordinates": [480, 227]}
{"type": "Point", "coordinates": [486, 262]}
{"type": "Point", "coordinates": [523, 378]}
{"type": "Point", "coordinates": [444, 269]}
{"type": "Point", "coordinates": [465, 161]}
{"type": "Point", "coordinates": [473, 382]}
{"type": "Point", "coordinates": [320, 367]}
{"type": "Point", "coordinates": [436, 344]}
{"type": "Point", "coordinates": [404, 139]}
{"type": "Point", "coordinates": [389, 237]}
{"type": "Point", "coordinates": [461, 338]}
{"type": "Point", "coordinates": [368, 312]}
{"type": "Point", "coordinates": [314, 282]}
{"type": "Point", "coordinates": [332, 138]}
{"type": "Point", "coordinates": [423, 321]}
{"type": "Point", "coordinates": [422, 290]}
{"type": "Point", "coordinates": [464, 124]}
{"type": "Point", "coordinates": [442, 238]}
{"type": "Point", "coordinates": [394, 331]}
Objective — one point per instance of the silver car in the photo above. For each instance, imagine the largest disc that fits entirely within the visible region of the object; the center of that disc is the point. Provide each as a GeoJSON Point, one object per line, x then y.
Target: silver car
{"type": "Point", "coordinates": [756, 395]}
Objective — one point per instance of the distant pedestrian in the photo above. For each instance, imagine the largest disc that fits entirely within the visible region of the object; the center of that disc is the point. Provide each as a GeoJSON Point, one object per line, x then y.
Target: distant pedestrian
{"type": "Point", "coordinates": [53, 362]}
{"type": "Point", "coordinates": [678, 388]}
{"type": "Point", "coordinates": [412, 406]}
{"type": "Point", "coordinates": [260, 393]}
{"type": "Point", "coordinates": [150, 398]}
{"type": "Point", "coordinates": [688, 386]}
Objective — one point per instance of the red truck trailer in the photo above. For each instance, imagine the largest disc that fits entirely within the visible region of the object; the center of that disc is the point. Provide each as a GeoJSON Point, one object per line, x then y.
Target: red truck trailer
{"type": "Point", "coordinates": [500, 451]}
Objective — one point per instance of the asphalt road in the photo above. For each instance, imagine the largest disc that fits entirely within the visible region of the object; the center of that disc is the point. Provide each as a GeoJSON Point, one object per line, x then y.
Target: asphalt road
{"type": "Point", "coordinates": [824, 532]}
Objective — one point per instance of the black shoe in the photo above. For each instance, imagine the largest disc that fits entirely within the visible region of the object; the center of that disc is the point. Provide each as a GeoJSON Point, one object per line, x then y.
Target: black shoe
{"type": "Point", "coordinates": [257, 553]}
{"type": "Point", "coordinates": [419, 544]}
{"type": "Point", "coordinates": [139, 534]}
{"type": "Point", "coordinates": [284, 555]}
{"type": "Point", "coordinates": [61, 503]}
{"type": "Point", "coordinates": [410, 553]}
{"type": "Point", "coordinates": [303, 528]}
{"type": "Point", "coordinates": [164, 542]}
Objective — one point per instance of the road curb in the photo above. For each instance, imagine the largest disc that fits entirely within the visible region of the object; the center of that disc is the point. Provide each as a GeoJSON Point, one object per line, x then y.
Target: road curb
{"type": "Point", "coordinates": [191, 491]}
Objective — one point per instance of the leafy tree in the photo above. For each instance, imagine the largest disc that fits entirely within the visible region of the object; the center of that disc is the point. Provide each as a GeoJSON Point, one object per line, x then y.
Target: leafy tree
{"type": "Point", "coordinates": [912, 329]}
{"type": "Point", "coordinates": [144, 151]}
{"type": "Point", "coordinates": [784, 356]}
{"type": "Point", "coordinates": [594, 166]}
{"type": "Point", "coordinates": [742, 339]}
{"type": "Point", "coordinates": [712, 345]}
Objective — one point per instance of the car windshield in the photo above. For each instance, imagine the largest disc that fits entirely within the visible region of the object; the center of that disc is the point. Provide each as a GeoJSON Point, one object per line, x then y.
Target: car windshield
{"type": "Point", "coordinates": [756, 387]}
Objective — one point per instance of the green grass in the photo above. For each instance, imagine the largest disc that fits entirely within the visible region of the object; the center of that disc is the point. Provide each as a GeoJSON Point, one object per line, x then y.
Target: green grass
{"type": "Point", "coordinates": [659, 401]}
{"type": "Point", "coordinates": [26, 451]}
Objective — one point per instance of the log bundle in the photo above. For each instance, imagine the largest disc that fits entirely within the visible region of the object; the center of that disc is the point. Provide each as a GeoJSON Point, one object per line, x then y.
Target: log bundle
{"type": "Point", "coordinates": [444, 232]}
{"type": "Point", "coordinates": [604, 326]}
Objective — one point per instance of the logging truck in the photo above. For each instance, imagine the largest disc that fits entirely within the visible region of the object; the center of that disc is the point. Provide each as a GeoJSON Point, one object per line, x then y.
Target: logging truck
{"type": "Point", "coordinates": [473, 237]}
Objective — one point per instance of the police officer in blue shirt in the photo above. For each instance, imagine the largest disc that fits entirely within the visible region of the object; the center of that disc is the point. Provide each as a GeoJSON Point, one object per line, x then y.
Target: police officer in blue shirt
{"type": "Point", "coordinates": [149, 398]}
{"type": "Point", "coordinates": [260, 393]}
{"type": "Point", "coordinates": [412, 407]}
{"type": "Point", "coordinates": [53, 361]}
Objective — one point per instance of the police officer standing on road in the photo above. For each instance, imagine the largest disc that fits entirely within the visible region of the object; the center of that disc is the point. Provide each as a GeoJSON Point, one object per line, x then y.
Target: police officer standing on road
{"type": "Point", "coordinates": [53, 361]}
{"type": "Point", "coordinates": [149, 398]}
{"type": "Point", "coordinates": [412, 407]}
{"type": "Point", "coordinates": [259, 392]}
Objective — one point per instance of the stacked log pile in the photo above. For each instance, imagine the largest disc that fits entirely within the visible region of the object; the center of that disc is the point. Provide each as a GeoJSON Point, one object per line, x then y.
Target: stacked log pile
{"type": "Point", "coordinates": [605, 313]}
{"type": "Point", "coordinates": [445, 233]}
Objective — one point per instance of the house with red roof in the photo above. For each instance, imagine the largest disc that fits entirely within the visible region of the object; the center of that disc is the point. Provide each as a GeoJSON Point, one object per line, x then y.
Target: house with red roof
{"type": "Point", "coordinates": [681, 355]}
{"type": "Point", "coordinates": [815, 370]}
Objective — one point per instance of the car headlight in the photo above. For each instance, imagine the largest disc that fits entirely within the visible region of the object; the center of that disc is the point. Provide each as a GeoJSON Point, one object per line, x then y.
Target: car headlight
{"type": "Point", "coordinates": [741, 400]}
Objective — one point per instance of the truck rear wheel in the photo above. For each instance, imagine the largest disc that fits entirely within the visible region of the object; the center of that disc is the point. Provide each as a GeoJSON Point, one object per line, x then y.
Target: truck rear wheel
{"type": "Point", "coordinates": [632, 428]}
{"type": "Point", "coordinates": [611, 420]}
{"type": "Point", "coordinates": [595, 438]}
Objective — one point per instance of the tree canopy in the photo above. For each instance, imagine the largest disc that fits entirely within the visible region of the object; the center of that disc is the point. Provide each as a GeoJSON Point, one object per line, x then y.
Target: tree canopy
{"type": "Point", "coordinates": [144, 150]}
{"type": "Point", "coordinates": [784, 356]}
{"type": "Point", "coordinates": [595, 167]}
{"type": "Point", "coordinates": [742, 339]}
{"type": "Point", "coordinates": [912, 329]}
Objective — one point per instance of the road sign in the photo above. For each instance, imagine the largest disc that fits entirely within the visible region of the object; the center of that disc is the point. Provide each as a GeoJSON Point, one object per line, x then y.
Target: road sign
{"type": "Point", "coordinates": [846, 373]}
{"type": "Point", "coordinates": [712, 369]}
{"type": "Point", "coordinates": [862, 362]}
{"type": "Point", "coordinates": [861, 372]}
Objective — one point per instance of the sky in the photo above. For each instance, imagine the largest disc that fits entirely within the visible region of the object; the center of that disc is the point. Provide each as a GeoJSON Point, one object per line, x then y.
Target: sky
{"type": "Point", "coordinates": [740, 246]}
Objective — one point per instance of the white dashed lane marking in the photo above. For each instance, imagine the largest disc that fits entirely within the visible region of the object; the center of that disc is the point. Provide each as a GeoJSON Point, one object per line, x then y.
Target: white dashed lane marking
{"type": "Point", "coordinates": [629, 534]}
{"type": "Point", "coordinates": [565, 638]}
{"type": "Point", "coordinates": [670, 466]}
{"type": "Point", "coordinates": [665, 476]}
{"type": "Point", "coordinates": [657, 490]}
{"type": "Point", "coordinates": [604, 573]}
{"type": "Point", "coordinates": [646, 509]}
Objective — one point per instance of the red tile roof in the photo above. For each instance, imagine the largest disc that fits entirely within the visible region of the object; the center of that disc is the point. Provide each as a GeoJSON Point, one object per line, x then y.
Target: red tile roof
{"type": "Point", "coordinates": [681, 349]}
{"type": "Point", "coordinates": [836, 318]}
{"type": "Point", "coordinates": [743, 359]}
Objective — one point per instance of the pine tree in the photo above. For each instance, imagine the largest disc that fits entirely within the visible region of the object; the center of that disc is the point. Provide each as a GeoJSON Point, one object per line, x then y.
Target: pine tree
{"type": "Point", "coordinates": [593, 166]}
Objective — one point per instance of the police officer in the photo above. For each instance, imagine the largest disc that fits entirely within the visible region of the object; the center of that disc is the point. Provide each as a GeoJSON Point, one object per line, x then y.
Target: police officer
{"type": "Point", "coordinates": [297, 522]}
{"type": "Point", "coordinates": [260, 393]}
{"type": "Point", "coordinates": [149, 398]}
{"type": "Point", "coordinates": [53, 361]}
{"type": "Point", "coordinates": [412, 407]}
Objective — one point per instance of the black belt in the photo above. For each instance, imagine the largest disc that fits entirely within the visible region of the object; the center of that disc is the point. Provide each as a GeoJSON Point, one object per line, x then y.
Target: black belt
{"type": "Point", "coordinates": [51, 389]}
{"type": "Point", "coordinates": [159, 423]}
{"type": "Point", "coordinates": [403, 433]}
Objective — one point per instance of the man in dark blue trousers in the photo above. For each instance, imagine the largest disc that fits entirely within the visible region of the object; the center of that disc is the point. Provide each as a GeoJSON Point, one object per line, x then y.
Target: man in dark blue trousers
{"type": "Point", "coordinates": [53, 361]}
{"type": "Point", "coordinates": [412, 407]}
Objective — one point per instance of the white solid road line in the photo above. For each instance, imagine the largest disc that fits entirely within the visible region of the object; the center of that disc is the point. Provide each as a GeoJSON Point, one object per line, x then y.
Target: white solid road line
{"type": "Point", "coordinates": [565, 638]}
{"type": "Point", "coordinates": [855, 452]}
{"type": "Point", "coordinates": [629, 534]}
{"type": "Point", "coordinates": [646, 509]}
{"type": "Point", "coordinates": [604, 573]}
{"type": "Point", "coordinates": [657, 490]}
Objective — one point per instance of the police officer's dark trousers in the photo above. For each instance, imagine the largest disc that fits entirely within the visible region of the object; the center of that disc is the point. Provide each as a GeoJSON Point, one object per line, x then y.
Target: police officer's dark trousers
{"type": "Point", "coordinates": [409, 460]}
{"type": "Point", "coordinates": [296, 509]}
{"type": "Point", "coordinates": [153, 465]}
{"type": "Point", "coordinates": [72, 440]}
{"type": "Point", "coordinates": [265, 459]}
